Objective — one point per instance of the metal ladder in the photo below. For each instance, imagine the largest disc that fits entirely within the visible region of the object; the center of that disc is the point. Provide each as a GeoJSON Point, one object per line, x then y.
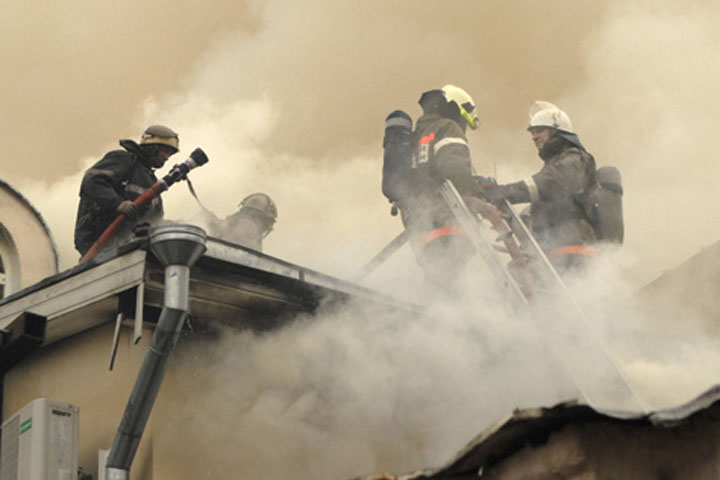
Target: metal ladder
{"type": "Point", "coordinates": [570, 332]}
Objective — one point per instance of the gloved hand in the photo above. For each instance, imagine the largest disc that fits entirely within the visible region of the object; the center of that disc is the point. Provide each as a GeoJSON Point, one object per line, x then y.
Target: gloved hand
{"type": "Point", "coordinates": [484, 181]}
{"type": "Point", "coordinates": [129, 209]}
{"type": "Point", "coordinates": [494, 194]}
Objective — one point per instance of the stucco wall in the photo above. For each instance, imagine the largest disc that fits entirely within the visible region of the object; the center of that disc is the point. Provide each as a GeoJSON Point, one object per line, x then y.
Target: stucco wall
{"type": "Point", "coordinates": [23, 236]}
{"type": "Point", "coordinates": [75, 370]}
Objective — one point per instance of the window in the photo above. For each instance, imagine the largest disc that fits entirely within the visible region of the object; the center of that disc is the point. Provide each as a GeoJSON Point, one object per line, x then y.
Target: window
{"type": "Point", "coordinates": [9, 264]}
{"type": "Point", "coordinates": [2, 278]}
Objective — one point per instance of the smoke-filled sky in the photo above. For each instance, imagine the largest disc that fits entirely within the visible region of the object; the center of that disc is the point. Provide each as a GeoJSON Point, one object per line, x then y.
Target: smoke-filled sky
{"type": "Point", "coordinates": [289, 98]}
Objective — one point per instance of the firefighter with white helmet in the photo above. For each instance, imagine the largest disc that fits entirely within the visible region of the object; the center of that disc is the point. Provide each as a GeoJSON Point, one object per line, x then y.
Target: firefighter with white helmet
{"type": "Point", "coordinates": [254, 220]}
{"type": "Point", "coordinates": [557, 192]}
{"type": "Point", "coordinates": [416, 163]}
{"type": "Point", "coordinates": [109, 187]}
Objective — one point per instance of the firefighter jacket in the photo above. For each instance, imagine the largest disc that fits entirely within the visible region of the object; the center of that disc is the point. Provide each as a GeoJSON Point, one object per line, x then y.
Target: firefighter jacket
{"type": "Point", "coordinates": [120, 175]}
{"type": "Point", "coordinates": [239, 228]}
{"type": "Point", "coordinates": [558, 196]}
{"type": "Point", "coordinates": [440, 152]}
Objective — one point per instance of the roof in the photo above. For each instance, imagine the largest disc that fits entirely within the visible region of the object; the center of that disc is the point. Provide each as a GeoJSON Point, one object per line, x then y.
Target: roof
{"type": "Point", "coordinates": [534, 426]}
{"type": "Point", "coordinates": [694, 284]}
{"type": "Point", "coordinates": [229, 283]}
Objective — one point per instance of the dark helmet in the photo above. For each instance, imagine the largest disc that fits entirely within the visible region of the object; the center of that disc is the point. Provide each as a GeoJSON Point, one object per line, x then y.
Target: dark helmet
{"type": "Point", "coordinates": [160, 135]}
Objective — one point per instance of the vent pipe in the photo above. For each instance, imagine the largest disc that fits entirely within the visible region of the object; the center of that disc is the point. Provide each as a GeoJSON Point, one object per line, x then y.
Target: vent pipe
{"type": "Point", "coordinates": [177, 247]}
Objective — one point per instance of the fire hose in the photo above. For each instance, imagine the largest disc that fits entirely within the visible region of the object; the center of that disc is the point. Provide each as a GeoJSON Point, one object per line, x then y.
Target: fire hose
{"type": "Point", "coordinates": [178, 172]}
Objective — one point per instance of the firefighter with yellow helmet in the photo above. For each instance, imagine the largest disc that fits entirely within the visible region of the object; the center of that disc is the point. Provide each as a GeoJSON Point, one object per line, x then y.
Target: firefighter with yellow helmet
{"type": "Point", "coordinates": [416, 163]}
{"type": "Point", "coordinates": [109, 187]}
{"type": "Point", "coordinates": [253, 221]}
{"type": "Point", "coordinates": [557, 193]}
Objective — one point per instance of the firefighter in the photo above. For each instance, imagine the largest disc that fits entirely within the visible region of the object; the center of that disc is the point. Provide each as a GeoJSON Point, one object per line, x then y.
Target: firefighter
{"type": "Point", "coordinates": [248, 226]}
{"type": "Point", "coordinates": [109, 187]}
{"type": "Point", "coordinates": [436, 150]}
{"type": "Point", "coordinates": [557, 193]}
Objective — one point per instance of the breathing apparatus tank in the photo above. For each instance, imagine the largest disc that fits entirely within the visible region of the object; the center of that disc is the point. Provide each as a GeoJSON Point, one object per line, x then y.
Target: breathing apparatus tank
{"type": "Point", "coordinates": [606, 212]}
{"type": "Point", "coordinates": [397, 156]}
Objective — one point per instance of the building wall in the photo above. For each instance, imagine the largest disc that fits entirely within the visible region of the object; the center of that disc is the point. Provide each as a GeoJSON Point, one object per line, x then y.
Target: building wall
{"type": "Point", "coordinates": [75, 370]}
{"type": "Point", "coordinates": [26, 248]}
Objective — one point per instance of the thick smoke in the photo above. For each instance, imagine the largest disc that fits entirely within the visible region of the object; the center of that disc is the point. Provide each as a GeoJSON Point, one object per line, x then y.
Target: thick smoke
{"type": "Point", "coordinates": [356, 390]}
{"type": "Point", "coordinates": [74, 74]}
{"type": "Point", "coordinates": [351, 392]}
{"type": "Point", "coordinates": [286, 101]}
{"type": "Point", "coordinates": [289, 98]}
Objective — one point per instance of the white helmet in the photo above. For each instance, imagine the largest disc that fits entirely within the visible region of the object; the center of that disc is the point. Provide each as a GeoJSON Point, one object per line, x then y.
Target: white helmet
{"type": "Point", "coordinates": [545, 114]}
{"type": "Point", "coordinates": [464, 102]}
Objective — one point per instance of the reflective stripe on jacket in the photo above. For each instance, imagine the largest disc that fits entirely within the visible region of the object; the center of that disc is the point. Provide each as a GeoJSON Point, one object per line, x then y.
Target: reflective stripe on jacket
{"type": "Point", "coordinates": [583, 250]}
{"type": "Point", "coordinates": [557, 197]}
{"type": "Point", "coordinates": [120, 175]}
{"type": "Point", "coordinates": [441, 152]}
{"type": "Point", "coordinates": [438, 233]}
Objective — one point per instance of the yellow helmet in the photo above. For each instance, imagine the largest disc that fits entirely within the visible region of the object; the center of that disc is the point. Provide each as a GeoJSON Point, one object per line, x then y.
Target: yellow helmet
{"type": "Point", "coordinates": [464, 102]}
{"type": "Point", "coordinates": [160, 135]}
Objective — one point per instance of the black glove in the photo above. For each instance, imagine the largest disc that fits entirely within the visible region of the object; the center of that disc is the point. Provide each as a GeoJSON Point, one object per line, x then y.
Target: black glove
{"type": "Point", "coordinates": [494, 194]}
{"type": "Point", "coordinates": [484, 181]}
{"type": "Point", "coordinates": [129, 209]}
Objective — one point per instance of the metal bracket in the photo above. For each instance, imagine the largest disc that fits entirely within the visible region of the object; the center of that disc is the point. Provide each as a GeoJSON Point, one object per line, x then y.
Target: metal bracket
{"type": "Point", "coordinates": [116, 339]}
{"type": "Point", "coordinates": [128, 311]}
{"type": "Point", "coordinates": [139, 302]}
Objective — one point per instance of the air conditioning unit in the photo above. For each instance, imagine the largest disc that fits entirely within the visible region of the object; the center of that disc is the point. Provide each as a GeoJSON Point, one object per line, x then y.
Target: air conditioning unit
{"type": "Point", "coordinates": [40, 442]}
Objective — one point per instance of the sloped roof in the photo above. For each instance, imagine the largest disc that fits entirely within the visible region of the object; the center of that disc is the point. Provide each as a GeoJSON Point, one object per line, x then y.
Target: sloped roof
{"type": "Point", "coordinates": [694, 283]}
{"type": "Point", "coordinates": [534, 426]}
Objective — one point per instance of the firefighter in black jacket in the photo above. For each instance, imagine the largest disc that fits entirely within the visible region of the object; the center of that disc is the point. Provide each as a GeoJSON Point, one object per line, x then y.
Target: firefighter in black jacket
{"type": "Point", "coordinates": [109, 187]}
{"type": "Point", "coordinates": [435, 151]}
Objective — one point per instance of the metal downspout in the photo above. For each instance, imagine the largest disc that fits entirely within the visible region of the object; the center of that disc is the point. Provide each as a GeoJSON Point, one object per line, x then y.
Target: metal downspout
{"type": "Point", "coordinates": [177, 247]}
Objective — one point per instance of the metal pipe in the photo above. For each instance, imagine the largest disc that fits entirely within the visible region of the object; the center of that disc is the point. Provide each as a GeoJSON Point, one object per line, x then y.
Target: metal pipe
{"type": "Point", "coordinates": [178, 247]}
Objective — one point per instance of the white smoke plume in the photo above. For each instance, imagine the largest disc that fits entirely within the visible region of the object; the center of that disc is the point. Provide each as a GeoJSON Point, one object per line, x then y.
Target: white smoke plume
{"type": "Point", "coordinates": [289, 99]}
{"type": "Point", "coordinates": [350, 392]}
{"type": "Point", "coordinates": [355, 390]}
